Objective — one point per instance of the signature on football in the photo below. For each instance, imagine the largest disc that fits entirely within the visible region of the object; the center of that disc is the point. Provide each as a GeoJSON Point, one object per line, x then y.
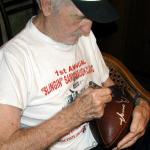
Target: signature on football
{"type": "Point", "coordinates": [121, 115]}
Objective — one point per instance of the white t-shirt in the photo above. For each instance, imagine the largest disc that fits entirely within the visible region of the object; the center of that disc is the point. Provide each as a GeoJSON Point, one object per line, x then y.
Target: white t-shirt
{"type": "Point", "coordinates": [41, 76]}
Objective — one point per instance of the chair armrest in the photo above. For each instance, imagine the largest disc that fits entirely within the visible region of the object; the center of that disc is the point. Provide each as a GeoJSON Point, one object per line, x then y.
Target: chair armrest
{"type": "Point", "coordinates": [122, 77]}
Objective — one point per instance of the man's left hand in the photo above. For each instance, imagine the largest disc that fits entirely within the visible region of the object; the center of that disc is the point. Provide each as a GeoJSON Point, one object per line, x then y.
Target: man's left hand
{"type": "Point", "coordinates": [141, 116]}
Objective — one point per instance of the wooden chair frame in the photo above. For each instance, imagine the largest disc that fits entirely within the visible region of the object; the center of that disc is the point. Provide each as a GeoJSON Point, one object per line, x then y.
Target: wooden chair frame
{"type": "Point", "coordinates": [122, 77]}
{"type": "Point", "coordinates": [120, 74]}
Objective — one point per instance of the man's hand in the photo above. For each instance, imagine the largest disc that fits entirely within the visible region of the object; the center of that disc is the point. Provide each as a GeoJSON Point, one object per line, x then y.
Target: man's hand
{"type": "Point", "coordinates": [141, 116]}
{"type": "Point", "coordinates": [87, 106]}
{"type": "Point", "coordinates": [91, 103]}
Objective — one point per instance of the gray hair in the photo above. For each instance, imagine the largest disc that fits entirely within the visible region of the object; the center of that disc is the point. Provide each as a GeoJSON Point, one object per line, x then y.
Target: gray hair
{"type": "Point", "coordinates": [56, 3]}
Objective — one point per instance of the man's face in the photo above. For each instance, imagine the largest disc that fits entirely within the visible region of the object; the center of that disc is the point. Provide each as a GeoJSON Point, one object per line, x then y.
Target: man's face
{"type": "Point", "coordinates": [69, 24]}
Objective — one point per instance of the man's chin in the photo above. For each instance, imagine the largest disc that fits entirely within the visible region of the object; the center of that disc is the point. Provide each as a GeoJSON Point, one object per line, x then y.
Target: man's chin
{"type": "Point", "coordinates": [72, 41]}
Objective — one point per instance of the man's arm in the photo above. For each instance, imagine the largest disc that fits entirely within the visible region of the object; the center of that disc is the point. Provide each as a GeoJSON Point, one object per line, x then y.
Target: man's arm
{"type": "Point", "coordinates": [37, 138]}
{"type": "Point", "coordinates": [90, 104]}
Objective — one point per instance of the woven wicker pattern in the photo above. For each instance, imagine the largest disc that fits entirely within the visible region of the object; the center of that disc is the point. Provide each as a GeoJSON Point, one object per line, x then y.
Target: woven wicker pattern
{"type": "Point", "coordinates": [123, 77]}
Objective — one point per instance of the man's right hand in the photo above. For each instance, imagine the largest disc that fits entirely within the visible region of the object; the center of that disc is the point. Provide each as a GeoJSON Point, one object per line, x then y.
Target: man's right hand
{"type": "Point", "coordinates": [91, 103]}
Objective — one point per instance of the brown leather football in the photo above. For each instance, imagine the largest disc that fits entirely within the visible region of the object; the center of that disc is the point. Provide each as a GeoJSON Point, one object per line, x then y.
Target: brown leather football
{"type": "Point", "coordinates": [115, 123]}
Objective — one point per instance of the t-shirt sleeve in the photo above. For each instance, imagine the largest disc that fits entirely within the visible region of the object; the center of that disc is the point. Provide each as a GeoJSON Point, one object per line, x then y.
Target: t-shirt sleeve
{"type": "Point", "coordinates": [102, 68]}
{"type": "Point", "coordinates": [13, 81]}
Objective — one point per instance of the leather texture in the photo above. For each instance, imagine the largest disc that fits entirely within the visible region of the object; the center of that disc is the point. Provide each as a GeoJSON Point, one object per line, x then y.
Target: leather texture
{"type": "Point", "coordinates": [115, 123]}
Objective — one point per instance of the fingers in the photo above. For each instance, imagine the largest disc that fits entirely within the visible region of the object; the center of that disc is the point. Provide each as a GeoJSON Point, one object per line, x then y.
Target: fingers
{"type": "Point", "coordinates": [99, 99]}
{"type": "Point", "coordinates": [104, 91]}
{"type": "Point", "coordinates": [129, 140]}
{"type": "Point", "coordinates": [126, 140]}
{"type": "Point", "coordinates": [136, 122]}
{"type": "Point", "coordinates": [103, 95]}
{"type": "Point", "coordinates": [138, 126]}
{"type": "Point", "coordinates": [140, 119]}
{"type": "Point", "coordinates": [91, 103]}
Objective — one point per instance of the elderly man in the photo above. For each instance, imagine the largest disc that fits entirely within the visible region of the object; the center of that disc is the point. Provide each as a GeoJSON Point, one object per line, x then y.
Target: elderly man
{"type": "Point", "coordinates": [45, 101]}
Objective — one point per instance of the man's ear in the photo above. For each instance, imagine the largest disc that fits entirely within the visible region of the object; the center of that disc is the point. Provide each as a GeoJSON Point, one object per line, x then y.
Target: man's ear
{"type": "Point", "coordinates": [46, 7]}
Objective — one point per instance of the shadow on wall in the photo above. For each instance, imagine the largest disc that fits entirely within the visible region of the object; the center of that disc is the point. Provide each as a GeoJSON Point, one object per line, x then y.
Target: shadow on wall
{"type": "Point", "coordinates": [112, 39]}
{"type": "Point", "coordinates": [14, 16]}
{"type": "Point", "coordinates": [3, 36]}
{"type": "Point", "coordinates": [17, 23]}
{"type": "Point", "coordinates": [102, 30]}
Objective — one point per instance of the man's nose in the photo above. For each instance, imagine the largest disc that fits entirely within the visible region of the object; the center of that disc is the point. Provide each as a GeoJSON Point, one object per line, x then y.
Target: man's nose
{"type": "Point", "coordinates": [85, 27]}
